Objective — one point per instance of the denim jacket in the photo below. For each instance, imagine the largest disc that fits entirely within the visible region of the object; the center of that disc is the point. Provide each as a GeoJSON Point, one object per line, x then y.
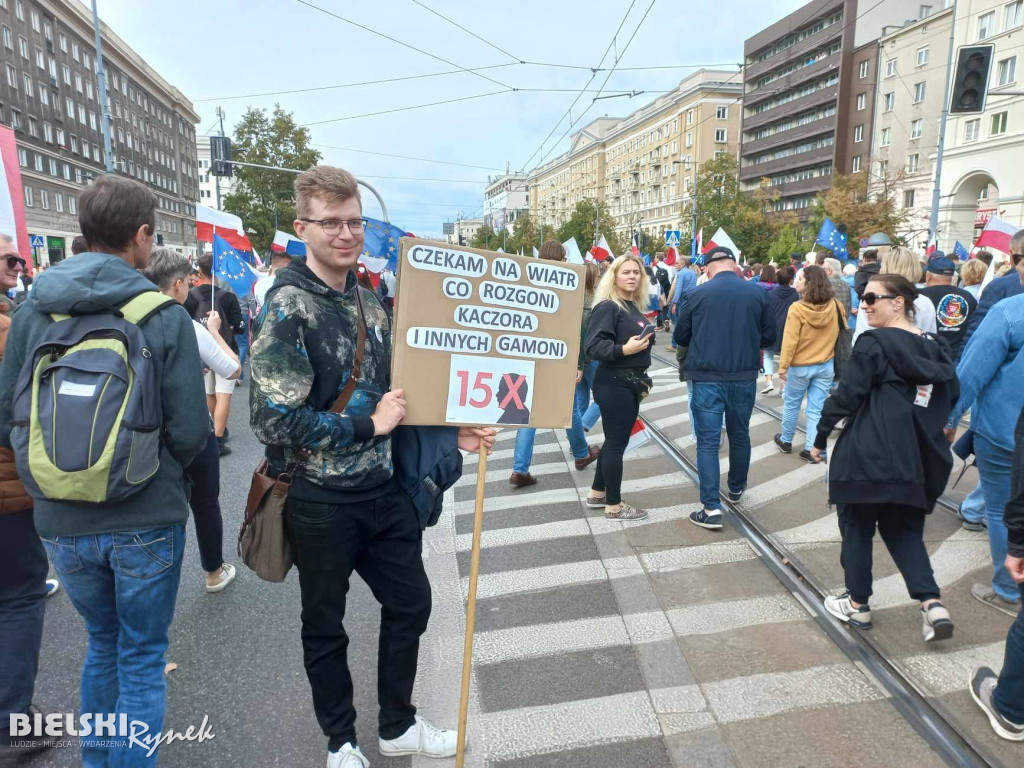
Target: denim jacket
{"type": "Point", "coordinates": [991, 373]}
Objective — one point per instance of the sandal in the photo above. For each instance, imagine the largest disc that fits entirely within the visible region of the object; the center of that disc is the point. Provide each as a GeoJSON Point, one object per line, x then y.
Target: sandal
{"type": "Point", "coordinates": [596, 502]}
{"type": "Point", "coordinates": [626, 512]}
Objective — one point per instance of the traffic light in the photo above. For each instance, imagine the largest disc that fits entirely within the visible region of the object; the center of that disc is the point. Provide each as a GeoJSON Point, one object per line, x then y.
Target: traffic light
{"type": "Point", "coordinates": [970, 79]}
{"type": "Point", "coordinates": [220, 156]}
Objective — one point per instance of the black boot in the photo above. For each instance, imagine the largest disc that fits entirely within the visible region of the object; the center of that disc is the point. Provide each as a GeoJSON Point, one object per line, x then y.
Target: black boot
{"type": "Point", "coordinates": [222, 446]}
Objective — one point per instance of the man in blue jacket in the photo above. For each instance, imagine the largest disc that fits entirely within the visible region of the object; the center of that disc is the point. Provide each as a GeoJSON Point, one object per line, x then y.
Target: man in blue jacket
{"type": "Point", "coordinates": [725, 323]}
{"type": "Point", "coordinates": [1010, 284]}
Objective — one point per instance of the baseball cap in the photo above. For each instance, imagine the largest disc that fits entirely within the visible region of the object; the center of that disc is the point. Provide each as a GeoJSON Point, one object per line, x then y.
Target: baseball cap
{"type": "Point", "coordinates": [718, 253]}
{"type": "Point", "coordinates": [940, 264]}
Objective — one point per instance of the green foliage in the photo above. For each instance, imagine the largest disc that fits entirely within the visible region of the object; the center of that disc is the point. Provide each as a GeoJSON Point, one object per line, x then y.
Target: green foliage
{"type": "Point", "coordinates": [275, 140]}
{"type": "Point", "coordinates": [525, 235]}
{"type": "Point", "coordinates": [788, 240]}
{"type": "Point", "coordinates": [847, 202]}
{"type": "Point", "coordinates": [581, 226]}
{"type": "Point", "coordinates": [486, 239]}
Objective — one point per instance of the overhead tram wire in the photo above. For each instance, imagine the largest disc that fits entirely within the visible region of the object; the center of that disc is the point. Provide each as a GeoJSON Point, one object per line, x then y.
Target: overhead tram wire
{"type": "Point", "coordinates": [407, 157]}
{"type": "Point", "coordinates": [468, 32]}
{"type": "Point", "coordinates": [398, 42]}
{"type": "Point", "coordinates": [406, 109]}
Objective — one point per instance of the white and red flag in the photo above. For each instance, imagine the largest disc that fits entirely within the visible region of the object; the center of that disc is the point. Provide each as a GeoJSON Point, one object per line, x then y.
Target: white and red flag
{"type": "Point", "coordinates": [12, 196]}
{"type": "Point", "coordinates": [996, 234]}
{"type": "Point", "coordinates": [638, 436]}
{"type": "Point", "coordinates": [635, 245]}
{"type": "Point", "coordinates": [601, 251]}
{"type": "Point", "coordinates": [721, 239]}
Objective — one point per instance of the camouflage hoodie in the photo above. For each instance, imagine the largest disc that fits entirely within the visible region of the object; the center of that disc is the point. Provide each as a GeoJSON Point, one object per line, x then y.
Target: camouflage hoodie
{"type": "Point", "coordinates": [303, 350]}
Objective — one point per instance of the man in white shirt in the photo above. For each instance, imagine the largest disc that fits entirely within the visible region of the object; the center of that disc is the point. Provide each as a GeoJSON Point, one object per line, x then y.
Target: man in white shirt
{"type": "Point", "coordinates": [259, 290]}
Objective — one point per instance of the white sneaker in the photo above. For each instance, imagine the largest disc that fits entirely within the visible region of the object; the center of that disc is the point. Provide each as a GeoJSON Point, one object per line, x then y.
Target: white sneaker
{"type": "Point", "coordinates": [347, 757]}
{"type": "Point", "coordinates": [227, 575]}
{"type": "Point", "coordinates": [768, 389]}
{"type": "Point", "coordinates": [421, 739]}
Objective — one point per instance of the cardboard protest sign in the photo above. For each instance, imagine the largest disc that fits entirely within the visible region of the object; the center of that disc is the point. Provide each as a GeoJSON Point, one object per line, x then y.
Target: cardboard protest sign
{"type": "Point", "coordinates": [485, 338]}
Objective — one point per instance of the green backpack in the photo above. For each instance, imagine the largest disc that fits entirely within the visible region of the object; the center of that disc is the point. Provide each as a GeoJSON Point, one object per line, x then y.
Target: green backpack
{"type": "Point", "coordinates": [87, 418]}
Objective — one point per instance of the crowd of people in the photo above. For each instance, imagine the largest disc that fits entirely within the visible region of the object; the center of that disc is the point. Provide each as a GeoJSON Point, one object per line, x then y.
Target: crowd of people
{"type": "Point", "coordinates": [896, 349]}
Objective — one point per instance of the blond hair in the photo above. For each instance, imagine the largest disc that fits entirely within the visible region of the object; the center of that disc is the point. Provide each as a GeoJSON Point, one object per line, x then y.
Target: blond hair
{"type": "Point", "coordinates": [902, 261]}
{"type": "Point", "coordinates": [606, 289]}
{"type": "Point", "coordinates": [330, 184]}
{"type": "Point", "coordinates": [973, 272]}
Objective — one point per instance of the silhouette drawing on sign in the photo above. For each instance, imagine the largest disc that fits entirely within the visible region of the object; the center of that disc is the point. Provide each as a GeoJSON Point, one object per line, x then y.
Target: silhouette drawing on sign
{"type": "Point", "coordinates": [512, 394]}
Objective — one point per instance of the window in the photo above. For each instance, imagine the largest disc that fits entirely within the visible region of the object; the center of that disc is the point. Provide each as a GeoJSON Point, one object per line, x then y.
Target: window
{"type": "Point", "coordinates": [63, 42]}
{"type": "Point", "coordinates": [78, 82]}
{"type": "Point", "coordinates": [689, 117]}
{"type": "Point", "coordinates": [722, 113]}
{"type": "Point", "coordinates": [913, 163]}
{"type": "Point", "coordinates": [33, 126]}
{"type": "Point", "coordinates": [689, 139]}
{"type": "Point", "coordinates": [883, 167]}
{"type": "Point", "coordinates": [986, 25]}
{"type": "Point", "coordinates": [12, 77]}
{"type": "Point", "coordinates": [81, 114]}
{"type": "Point", "coordinates": [40, 59]}
{"type": "Point", "coordinates": [67, 171]}
{"type": "Point", "coordinates": [29, 195]}
{"type": "Point", "coordinates": [66, 72]}
{"type": "Point", "coordinates": [28, 87]}
{"type": "Point", "coordinates": [972, 129]}
{"type": "Point", "coordinates": [886, 137]}
{"type": "Point", "coordinates": [721, 135]}
{"type": "Point", "coordinates": [998, 124]}
{"type": "Point", "coordinates": [862, 71]}
{"type": "Point", "coordinates": [86, 62]}
{"type": "Point", "coordinates": [72, 205]}
{"type": "Point", "coordinates": [23, 46]}
{"type": "Point", "coordinates": [855, 165]}
{"type": "Point", "coordinates": [92, 120]}
{"type": "Point", "coordinates": [1013, 15]}
{"type": "Point", "coordinates": [89, 90]}
{"type": "Point", "coordinates": [890, 68]}
{"type": "Point", "coordinates": [70, 106]}
{"type": "Point", "coordinates": [924, 12]}
{"type": "Point", "coordinates": [44, 199]}
{"type": "Point", "coordinates": [858, 133]}
{"type": "Point", "coordinates": [78, 176]}
{"type": "Point", "coordinates": [48, 132]}
{"type": "Point", "coordinates": [922, 56]}
{"type": "Point", "coordinates": [916, 127]}
{"type": "Point", "coordinates": [48, 32]}
{"type": "Point", "coordinates": [74, 51]}
{"type": "Point", "coordinates": [22, 158]}
{"type": "Point", "coordinates": [918, 92]}
{"type": "Point", "coordinates": [44, 95]}
{"type": "Point", "coordinates": [908, 198]}
{"type": "Point", "coordinates": [7, 38]}
{"type": "Point", "coordinates": [58, 201]}
{"type": "Point", "coordinates": [38, 163]}
{"type": "Point", "coordinates": [74, 144]}
{"type": "Point", "coordinates": [60, 136]}
{"type": "Point", "coordinates": [53, 167]}
{"type": "Point", "coordinates": [862, 101]}
{"type": "Point", "coordinates": [1008, 70]}
{"type": "Point", "coordinates": [35, 21]}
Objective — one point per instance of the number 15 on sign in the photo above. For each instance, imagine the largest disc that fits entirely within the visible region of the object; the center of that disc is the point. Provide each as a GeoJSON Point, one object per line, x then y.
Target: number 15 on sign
{"type": "Point", "coordinates": [488, 390]}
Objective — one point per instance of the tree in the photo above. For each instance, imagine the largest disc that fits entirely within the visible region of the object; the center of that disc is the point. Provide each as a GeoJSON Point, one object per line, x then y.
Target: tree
{"type": "Point", "coordinates": [582, 223]}
{"type": "Point", "coordinates": [847, 203]}
{"type": "Point", "coordinates": [486, 239]}
{"type": "Point", "coordinates": [525, 235]}
{"type": "Point", "coordinates": [258, 194]}
{"type": "Point", "coordinates": [789, 240]}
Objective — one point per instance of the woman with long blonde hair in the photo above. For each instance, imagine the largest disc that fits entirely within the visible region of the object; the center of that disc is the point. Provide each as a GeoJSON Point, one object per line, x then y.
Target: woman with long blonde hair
{"type": "Point", "coordinates": [619, 338]}
{"type": "Point", "coordinates": [902, 261]}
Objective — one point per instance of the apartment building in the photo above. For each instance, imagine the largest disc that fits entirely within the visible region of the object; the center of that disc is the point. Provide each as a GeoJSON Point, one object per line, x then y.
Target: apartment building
{"type": "Point", "coordinates": [49, 95]}
{"type": "Point", "coordinates": [643, 166]}
{"type": "Point", "coordinates": [801, 76]}
{"type": "Point", "coordinates": [461, 231]}
{"type": "Point", "coordinates": [505, 198]}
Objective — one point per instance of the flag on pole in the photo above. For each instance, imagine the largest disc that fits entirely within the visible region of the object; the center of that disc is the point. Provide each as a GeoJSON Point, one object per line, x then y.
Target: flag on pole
{"type": "Point", "coordinates": [700, 240]}
{"type": "Point", "coordinates": [635, 243]}
{"type": "Point", "coordinates": [996, 234]}
{"type": "Point", "coordinates": [638, 436]}
{"type": "Point", "coordinates": [381, 241]}
{"type": "Point", "coordinates": [285, 243]}
{"type": "Point", "coordinates": [536, 253]}
{"type": "Point", "coordinates": [720, 239]}
{"type": "Point", "coordinates": [670, 256]}
{"type": "Point", "coordinates": [373, 267]}
{"type": "Point", "coordinates": [960, 251]}
{"type": "Point", "coordinates": [12, 196]}
{"type": "Point", "coordinates": [229, 264]}
{"type": "Point", "coordinates": [601, 251]}
{"type": "Point", "coordinates": [832, 238]}
{"type": "Point", "coordinates": [572, 251]}
{"type": "Point", "coordinates": [931, 247]}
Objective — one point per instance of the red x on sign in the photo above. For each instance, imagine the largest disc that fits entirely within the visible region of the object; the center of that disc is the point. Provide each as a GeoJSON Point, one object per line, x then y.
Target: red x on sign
{"type": "Point", "coordinates": [513, 381]}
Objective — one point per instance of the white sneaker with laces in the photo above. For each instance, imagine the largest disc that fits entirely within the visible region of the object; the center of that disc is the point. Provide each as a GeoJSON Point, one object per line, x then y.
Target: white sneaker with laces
{"type": "Point", "coordinates": [422, 738]}
{"type": "Point", "coordinates": [347, 757]}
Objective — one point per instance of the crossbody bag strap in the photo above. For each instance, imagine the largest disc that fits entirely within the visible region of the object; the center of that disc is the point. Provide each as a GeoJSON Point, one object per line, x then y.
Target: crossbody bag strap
{"type": "Point", "coordinates": [357, 368]}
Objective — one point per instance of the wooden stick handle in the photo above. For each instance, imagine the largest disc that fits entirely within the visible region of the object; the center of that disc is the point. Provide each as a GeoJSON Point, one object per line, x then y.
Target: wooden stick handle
{"type": "Point", "coordinates": [474, 572]}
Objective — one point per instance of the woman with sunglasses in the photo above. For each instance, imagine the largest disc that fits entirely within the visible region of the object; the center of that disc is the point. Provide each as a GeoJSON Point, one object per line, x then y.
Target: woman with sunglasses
{"type": "Point", "coordinates": [892, 460]}
{"type": "Point", "coordinates": [901, 261]}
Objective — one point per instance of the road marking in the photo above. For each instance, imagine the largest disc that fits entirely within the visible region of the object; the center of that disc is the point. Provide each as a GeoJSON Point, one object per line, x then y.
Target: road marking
{"type": "Point", "coordinates": [532, 579]}
{"type": "Point", "coordinates": [505, 537]}
{"type": "Point", "coordinates": [697, 557]}
{"type": "Point", "coordinates": [549, 639]}
{"type": "Point", "coordinates": [711, 618]}
{"type": "Point", "coordinates": [944, 673]}
{"type": "Point", "coordinates": [514, 500]}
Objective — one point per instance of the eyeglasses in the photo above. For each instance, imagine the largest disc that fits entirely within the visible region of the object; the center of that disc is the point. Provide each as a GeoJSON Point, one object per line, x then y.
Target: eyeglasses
{"type": "Point", "coordinates": [332, 227]}
{"type": "Point", "coordinates": [870, 298]}
{"type": "Point", "coordinates": [12, 260]}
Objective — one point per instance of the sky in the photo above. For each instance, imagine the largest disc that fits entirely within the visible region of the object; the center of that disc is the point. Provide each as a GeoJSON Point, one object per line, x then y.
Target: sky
{"type": "Point", "coordinates": [222, 53]}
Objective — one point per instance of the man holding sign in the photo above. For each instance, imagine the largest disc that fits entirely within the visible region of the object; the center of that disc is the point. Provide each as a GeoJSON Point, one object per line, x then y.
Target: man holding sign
{"type": "Point", "coordinates": [344, 510]}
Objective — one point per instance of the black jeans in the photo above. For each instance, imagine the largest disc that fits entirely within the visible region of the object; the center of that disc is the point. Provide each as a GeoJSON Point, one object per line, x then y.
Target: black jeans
{"type": "Point", "coordinates": [620, 405]}
{"type": "Point", "coordinates": [204, 475]}
{"type": "Point", "coordinates": [902, 530]}
{"type": "Point", "coordinates": [22, 592]}
{"type": "Point", "coordinates": [381, 540]}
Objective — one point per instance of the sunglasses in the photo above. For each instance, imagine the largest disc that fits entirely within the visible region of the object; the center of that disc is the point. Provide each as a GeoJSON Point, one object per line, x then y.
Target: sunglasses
{"type": "Point", "coordinates": [12, 260]}
{"type": "Point", "coordinates": [870, 298]}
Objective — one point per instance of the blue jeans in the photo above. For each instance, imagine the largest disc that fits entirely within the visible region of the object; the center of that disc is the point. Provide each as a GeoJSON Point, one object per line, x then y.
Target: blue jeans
{"type": "Point", "coordinates": [242, 340]}
{"type": "Point", "coordinates": [577, 437]}
{"type": "Point", "coordinates": [973, 506]}
{"type": "Point", "coordinates": [710, 401]}
{"type": "Point", "coordinates": [1009, 693]}
{"type": "Point", "coordinates": [994, 469]}
{"type": "Point", "coordinates": [816, 382]}
{"type": "Point", "coordinates": [124, 586]}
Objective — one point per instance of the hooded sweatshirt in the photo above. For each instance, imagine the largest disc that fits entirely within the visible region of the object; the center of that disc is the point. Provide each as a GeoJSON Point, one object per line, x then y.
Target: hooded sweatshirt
{"type": "Point", "coordinates": [896, 393]}
{"type": "Point", "coordinates": [88, 283]}
{"type": "Point", "coordinates": [810, 335]}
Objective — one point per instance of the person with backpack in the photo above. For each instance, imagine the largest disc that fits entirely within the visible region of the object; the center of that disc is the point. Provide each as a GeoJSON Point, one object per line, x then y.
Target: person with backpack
{"type": "Point", "coordinates": [199, 303]}
{"type": "Point", "coordinates": [891, 462]}
{"type": "Point", "coordinates": [116, 533]}
{"type": "Point", "coordinates": [320, 400]}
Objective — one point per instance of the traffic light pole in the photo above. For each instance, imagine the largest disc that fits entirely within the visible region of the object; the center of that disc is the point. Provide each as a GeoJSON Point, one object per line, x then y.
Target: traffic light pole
{"type": "Point", "coordinates": [220, 116]}
{"type": "Point", "coordinates": [933, 223]}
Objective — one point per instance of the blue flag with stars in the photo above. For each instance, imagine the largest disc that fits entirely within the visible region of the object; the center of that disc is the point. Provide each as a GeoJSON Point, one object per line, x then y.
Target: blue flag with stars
{"type": "Point", "coordinates": [961, 251]}
{"type": "Point", "coordinates": [229, 264]}
{"type": "Point", "coordinates": [832, 238]}
{"type": "Point", "coordinates": [382, 241]}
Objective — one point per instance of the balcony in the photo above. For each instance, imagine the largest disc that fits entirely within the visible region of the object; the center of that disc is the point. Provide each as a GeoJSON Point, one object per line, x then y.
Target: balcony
{"type": "Point", "coordinates": [810, 157]}
{"type": "Point", "coordinates": [813, 128]}
{"type": "Point", "coordinates": [818, 40]}
{"type": "Point", "coordinates": [793, 79]}
{"type": "Point", "coordinates": [802, 187]}
{"type": "Point", "coordinates": [816, 99]}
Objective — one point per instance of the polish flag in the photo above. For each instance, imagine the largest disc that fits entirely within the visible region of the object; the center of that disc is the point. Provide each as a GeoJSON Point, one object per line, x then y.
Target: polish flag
{"type": "Point", "coordinates": [601, 251]}
{"type": "Point", "coordinates": [12, 197]}
{"type": "Point", "coordinates": [572, 251]}
{"type": "Point", "coordinates": [996, 234]}
{"type": "Point", "coordinates": [700, 240]}
{"type": "Point", "coordinates": [720, 238]}
{"type": "Point", "coordinates": [931, 248]}
{"type": "Point", "coordinates": [285, 243]}
{"type": "Point", "coordinates": [670, 256]}
{"type": "Point", "coordinates": [636, 244]}
{"type": "Point", "coordinates": [373, 267]}
{"type": "Point", "coordinates": [638, 436]}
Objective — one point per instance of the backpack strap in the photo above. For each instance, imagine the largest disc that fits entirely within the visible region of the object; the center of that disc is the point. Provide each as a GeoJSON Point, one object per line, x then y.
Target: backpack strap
{"type": "Point", "coordinates": [139, 308]}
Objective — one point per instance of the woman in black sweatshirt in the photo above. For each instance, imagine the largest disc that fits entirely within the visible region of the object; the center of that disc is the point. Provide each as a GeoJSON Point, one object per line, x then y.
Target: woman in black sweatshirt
{"type": "Point", "coordinates": [892, 460]}
{"type": "Point", "coordinates": [613, 339]}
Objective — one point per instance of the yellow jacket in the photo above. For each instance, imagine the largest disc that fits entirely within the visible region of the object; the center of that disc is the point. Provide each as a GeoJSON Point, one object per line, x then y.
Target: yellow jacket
{"type": "Point", "coordinates": [811, 333]}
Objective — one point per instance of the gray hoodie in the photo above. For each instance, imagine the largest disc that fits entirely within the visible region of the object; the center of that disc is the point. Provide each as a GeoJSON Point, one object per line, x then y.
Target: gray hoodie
{"type": "Point", "coordinates": [87, 283]}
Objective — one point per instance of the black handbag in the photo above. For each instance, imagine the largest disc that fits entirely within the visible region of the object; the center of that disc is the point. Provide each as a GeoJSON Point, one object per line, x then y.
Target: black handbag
{"type": "Point", "coordinates": [844, 343]}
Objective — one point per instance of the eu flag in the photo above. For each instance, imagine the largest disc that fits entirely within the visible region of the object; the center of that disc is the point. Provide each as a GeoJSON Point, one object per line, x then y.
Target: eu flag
{"type": "Point", "coordinates": [228, 264]}
{"type": "Point", "coordinates": [961, 251]}
{"type": "Point", "coordinates": [832, 238]}
{"type": "Point", "coordinates": [382, 241]}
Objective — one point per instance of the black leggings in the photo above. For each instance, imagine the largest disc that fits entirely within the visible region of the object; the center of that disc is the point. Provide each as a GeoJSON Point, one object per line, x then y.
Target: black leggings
{"type": "Point", "coordinates": [902, 530]}
{"type": "Point", "coordinates": [620, 405]}
{"type": "Point", "coordinates": [204, 475]}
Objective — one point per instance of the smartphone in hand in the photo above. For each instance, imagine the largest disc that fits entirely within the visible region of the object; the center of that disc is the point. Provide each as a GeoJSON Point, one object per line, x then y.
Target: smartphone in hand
{"type": "Point", "coordinates": [647, 331]}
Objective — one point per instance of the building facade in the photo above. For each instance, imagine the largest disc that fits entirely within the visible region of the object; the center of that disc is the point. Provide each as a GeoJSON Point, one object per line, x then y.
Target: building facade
{"type": "Point", "coordinates": [504, 199]}
{"type": "Point", "coordinates": [801, 75]}
{"type": "Point", "coordinates": [643, 166]}
{"type": "Point", "coordinates": [49, 95]}
{"type": "Point", "coordinates": [208, 182]}
{"type": "Point", "coordinates": [462, 231]}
